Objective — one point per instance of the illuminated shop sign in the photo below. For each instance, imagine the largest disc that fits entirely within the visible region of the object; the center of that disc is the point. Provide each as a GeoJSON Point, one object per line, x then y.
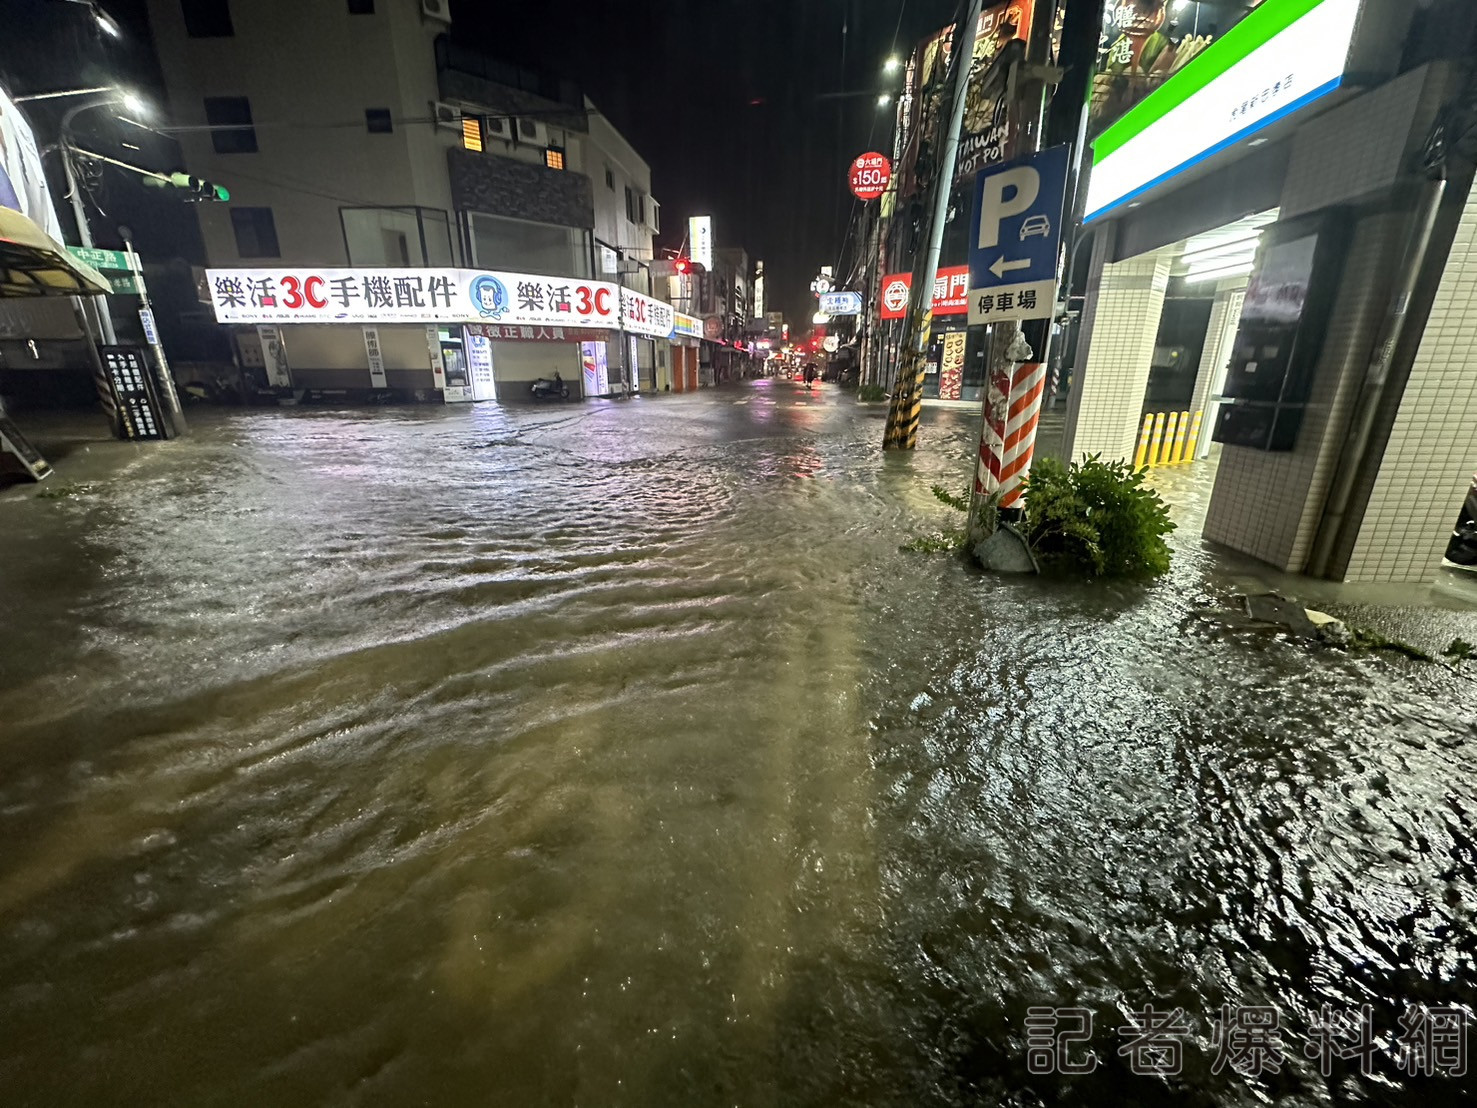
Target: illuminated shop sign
{"type": "Point", "coordinates": [686, 326]}
{"type": "Point", "coordinates": [644, 315]}
{"type": "Point", "coordinates": [1282, 57]}
{"type": "Point", "coordinates": [389, 295]}
{"type": "Point", "coordinates": [950, 292]}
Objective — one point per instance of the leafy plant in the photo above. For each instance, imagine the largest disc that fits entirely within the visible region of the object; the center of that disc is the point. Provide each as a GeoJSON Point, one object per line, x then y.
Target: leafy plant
{"type": "Point", "coordinates": [940, 542]}
{"type": "Point", "coordinates": [871, 394]}
{"type": "Point", "coordinates": [944, 496]}
{"type": "Point", "coordinates": [62, 492]}
{"type": "Point", "coordinates": [1461, 650]}
{"type": "Point", "coordinates": [1096, 519]}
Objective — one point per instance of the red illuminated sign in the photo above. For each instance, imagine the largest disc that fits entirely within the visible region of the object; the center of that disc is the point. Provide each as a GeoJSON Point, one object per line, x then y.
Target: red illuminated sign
{"type": "Point", "coordinates": [950, 292]}
{"type": "Point", "coordinates": [871, 173]}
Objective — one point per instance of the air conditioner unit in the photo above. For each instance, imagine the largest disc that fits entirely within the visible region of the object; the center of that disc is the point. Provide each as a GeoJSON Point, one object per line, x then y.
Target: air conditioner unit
{"type": "Point", "coordinates": [532, 132]}
{"type": "Point", "coordinates": [447, 115]}
{"type": "Point", "coordinates": [439, 10]}
{"type": "Point", "coordinates": [498, 126]}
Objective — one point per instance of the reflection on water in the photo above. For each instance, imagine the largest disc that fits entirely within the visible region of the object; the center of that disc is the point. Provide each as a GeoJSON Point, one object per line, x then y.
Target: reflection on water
{"type": "Point", "coordinates": [613, 755]}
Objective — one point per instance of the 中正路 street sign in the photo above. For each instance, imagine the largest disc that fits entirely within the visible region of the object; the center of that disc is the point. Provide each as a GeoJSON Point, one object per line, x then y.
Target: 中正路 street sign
{"type": "Point", "coordinates": [1016, 238]}
{"type": "Point", "coordinates": [100, 259]}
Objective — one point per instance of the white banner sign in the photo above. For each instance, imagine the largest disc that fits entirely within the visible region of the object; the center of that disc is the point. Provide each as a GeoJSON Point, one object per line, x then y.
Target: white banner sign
{"type": "Point", "coordinates": [391, 295]}
{"type": "Point", "coordinates": [643, 315]}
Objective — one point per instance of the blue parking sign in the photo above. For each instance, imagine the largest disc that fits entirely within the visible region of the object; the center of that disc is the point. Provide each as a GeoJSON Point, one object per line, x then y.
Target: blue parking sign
{"type": "Point", "coordinates": [1015, 237]}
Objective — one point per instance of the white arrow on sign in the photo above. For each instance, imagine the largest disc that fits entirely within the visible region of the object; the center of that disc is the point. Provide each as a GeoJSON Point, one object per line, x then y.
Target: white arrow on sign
{"type": "Point", "coordinates": [1002, 267]}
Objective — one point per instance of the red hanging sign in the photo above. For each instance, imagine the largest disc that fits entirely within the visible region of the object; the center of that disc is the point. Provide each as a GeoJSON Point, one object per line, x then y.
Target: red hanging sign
{"type": "Point", "coordinates": [871, 173]}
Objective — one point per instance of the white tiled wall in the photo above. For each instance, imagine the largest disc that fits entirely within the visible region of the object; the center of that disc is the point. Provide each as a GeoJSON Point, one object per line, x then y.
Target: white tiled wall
{"type": "Point", "coordinates": [1210, 375]}
{"type": "Point", "coordinates": [1268, 504]}
{"type": "Point", "coordinates": [1125, 322]}
{"type": "Point", "coordinates": [1432, 451]}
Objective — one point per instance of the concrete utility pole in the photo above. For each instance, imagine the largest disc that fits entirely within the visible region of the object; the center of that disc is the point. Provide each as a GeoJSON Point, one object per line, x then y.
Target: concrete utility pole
{"type": "Point", "coordinates": [907, 397]}
{"type": "Point", "coordinates": [1016, 374]}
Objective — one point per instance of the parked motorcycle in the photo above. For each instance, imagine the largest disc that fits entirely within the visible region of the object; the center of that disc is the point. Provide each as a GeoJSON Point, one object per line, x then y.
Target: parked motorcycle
{"type": "Point", "coordinates": [546, 388]}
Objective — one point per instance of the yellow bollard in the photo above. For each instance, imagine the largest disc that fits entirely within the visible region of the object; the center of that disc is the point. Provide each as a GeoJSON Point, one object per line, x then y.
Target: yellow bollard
{"type": "Point", "coordinates": [1178, 457]}
{"type": "Point", "coordinates": [1169, 428]}
{"type": "Point", "coordinates": [1156, 439]}
{"type": "Point", "coordinates": [1194, 436]}
{"type": "Point", "coordinates": [1143, 448]}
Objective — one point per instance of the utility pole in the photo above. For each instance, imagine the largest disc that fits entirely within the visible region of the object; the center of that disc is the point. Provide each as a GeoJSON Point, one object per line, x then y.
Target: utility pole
{"type": "Point", "coordinates": [907, 397]}
{"type": "Point", "coordinates": [1015, 377]}
{"type": "Point", "coordinates": [146, 315]}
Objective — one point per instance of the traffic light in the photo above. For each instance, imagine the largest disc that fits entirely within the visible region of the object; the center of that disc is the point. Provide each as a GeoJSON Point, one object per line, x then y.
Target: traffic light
{"type": "Point", "coordinates": [197, 189]}
{"type": "Point", "coordinates": [683, 265]}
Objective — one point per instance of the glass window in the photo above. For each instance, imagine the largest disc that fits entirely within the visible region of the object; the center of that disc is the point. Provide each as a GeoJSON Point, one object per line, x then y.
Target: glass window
{"type": "Point", "coordinates": [256, 233]}
{"type": "Point", "coordinates": [207, 18]}
{"type": "Point", "coordinates": [554, 157]}
{"type": "Point", "coordinates": [378, 121]}
{"type": "Point", "coordinates": [397, 236]}
{"type": "Point", "coordinates": [230, 118]}
{"type": "Point", "coordinates": [609, 179]}
{"type": "Point", "coordinates": [527, 247]}
{"type": "Point", "coordinates": [472, 134]}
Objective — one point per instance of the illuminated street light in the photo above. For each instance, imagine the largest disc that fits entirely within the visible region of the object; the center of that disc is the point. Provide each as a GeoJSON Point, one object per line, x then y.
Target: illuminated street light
{"type": "Point", "coordinates": [892, 64]}
{"type": "Point", "coordinates": [884, 100]}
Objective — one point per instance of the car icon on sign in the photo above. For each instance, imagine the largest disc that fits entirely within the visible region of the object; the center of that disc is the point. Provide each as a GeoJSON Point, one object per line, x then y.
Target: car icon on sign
{"type": "Point", "coordinates": [1035, 225]}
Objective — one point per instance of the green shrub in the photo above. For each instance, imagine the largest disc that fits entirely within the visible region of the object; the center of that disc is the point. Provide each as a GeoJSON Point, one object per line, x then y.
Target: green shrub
{"type": "Point", "coordinates": [944, 496]}
{"type": "Point", "coordinates": [1096, 519]}
{"type": "Point", "coordinates": [871, 394]}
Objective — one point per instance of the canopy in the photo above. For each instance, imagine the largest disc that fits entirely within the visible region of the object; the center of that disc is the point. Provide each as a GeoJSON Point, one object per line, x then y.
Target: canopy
{"type": "Point", "coordinates": [32, 263]}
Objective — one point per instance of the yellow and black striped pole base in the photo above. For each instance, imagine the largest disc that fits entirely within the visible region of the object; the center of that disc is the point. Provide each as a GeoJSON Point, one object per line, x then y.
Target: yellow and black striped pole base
{"type": "Point", "coordinates": [907, 398]}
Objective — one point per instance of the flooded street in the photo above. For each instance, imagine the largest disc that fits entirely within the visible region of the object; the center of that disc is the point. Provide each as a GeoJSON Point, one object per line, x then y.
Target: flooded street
{"type": "Point", "coordinates": [613, 754]}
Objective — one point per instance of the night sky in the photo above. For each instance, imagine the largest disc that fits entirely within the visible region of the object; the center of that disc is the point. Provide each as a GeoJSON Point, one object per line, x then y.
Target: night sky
{"type": "Point", "coordinates": [721, 99]}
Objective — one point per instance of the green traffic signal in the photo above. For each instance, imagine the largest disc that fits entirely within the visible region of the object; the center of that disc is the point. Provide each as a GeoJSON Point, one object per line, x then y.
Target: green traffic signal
{"type": "Point", "coordinates": [200, 190]}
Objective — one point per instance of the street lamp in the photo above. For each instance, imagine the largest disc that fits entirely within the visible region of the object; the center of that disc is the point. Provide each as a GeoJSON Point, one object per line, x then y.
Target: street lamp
{"type": "Point", "coordinates": [105, 21]}
{"type": "Point", "coordinates": [892, 64]}
{"type": "Point", "coordinates": [884, 100]}
{"type": "Point", "coordinates": [129, 100]}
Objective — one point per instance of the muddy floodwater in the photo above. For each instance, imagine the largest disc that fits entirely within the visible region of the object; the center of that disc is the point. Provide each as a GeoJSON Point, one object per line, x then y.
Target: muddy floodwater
{"type": "Point", "coordinates": [613, 754]}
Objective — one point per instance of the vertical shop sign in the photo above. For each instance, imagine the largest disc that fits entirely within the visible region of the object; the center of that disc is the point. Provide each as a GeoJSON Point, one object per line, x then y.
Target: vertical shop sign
{"type": "Point", "coordinates": [951, 376]}
{"type": "Point", "coordinates": [376, 358]}
{"type": "Point", "coordinates": [274, 357]}
{"type": "Point", "coordinates": [438, 366]}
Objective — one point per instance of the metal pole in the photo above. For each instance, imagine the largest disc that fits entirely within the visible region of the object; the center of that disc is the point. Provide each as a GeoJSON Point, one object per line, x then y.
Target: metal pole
{"type": "Point", "coordinates": [161, 363]}
{"type": "Point", "coordinates": [1377, 381]}
{"type": "Point", "coordinates": [907, 400]}
{"type": "Point", "coordinates": [98, 312]}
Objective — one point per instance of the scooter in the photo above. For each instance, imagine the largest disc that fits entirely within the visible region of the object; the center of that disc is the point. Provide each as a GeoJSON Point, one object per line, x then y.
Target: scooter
{"type": "Point", "coordinates": [546, 389]}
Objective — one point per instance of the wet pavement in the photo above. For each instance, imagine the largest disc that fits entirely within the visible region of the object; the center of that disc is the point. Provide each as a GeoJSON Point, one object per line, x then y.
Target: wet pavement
{"type": "Point", "coordinates": [613, 754]}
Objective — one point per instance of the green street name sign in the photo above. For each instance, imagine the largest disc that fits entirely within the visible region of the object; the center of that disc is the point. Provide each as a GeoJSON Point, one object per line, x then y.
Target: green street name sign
{"type": "Point", "coordinates": [100, 259]}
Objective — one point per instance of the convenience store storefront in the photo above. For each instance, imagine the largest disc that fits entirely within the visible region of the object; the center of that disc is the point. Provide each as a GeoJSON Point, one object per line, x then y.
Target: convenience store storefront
{"type": "Point", "coordinates": [427, 333]}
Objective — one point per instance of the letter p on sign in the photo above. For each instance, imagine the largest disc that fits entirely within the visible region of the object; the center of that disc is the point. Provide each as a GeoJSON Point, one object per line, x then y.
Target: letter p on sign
{"type": "Point", "coordinates": [1006, 194]}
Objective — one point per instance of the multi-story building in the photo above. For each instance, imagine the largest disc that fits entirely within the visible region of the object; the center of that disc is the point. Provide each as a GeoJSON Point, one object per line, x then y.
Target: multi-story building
{"type": "Point", "coordinates": [359, 134]}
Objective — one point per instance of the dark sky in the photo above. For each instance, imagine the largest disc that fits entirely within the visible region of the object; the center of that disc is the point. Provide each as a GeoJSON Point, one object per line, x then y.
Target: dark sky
{"type": "Point", "coordinates": [721, 99]}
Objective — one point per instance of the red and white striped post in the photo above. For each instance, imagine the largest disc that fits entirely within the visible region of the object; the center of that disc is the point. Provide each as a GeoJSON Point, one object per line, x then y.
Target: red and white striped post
{"type": "Point", "coordinates": [1008, 431]}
